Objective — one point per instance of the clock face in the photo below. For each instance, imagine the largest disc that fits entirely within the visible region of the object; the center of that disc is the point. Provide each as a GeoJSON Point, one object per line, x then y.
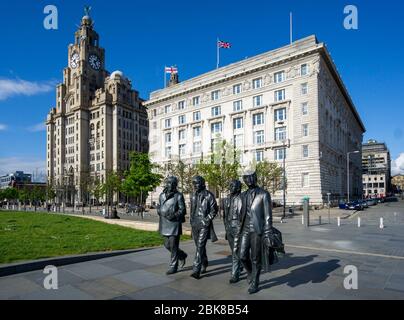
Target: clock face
{"type": "Point", "coordinates": [94, 61]}
{"type": "Point", "coordinates": [74, 60]}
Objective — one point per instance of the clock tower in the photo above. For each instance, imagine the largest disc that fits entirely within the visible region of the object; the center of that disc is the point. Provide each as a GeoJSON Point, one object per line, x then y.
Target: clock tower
{"type": "Point", "coordinates": [98, 120]}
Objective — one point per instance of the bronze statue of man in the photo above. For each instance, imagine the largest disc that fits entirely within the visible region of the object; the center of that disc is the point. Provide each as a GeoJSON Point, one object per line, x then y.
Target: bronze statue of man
{"type": "Point", "coordinates": [172, 211]}
{"type": "Point", "coordinates": [203, 211]}
{"type": "Point", "coordinates": [232, 206]}
{"type": "Point", "coordinates": [255, 229]}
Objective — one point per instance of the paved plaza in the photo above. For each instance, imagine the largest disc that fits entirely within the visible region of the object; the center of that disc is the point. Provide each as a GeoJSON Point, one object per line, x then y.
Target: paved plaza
{"type": "Point", "coordinates": [312, 269]}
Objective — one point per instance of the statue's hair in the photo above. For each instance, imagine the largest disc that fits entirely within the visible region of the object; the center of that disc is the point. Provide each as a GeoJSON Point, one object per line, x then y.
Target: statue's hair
{"type": "Point", "coordinates": [237, 183]}
{"type": "Point", "coordinates": [173, 179]}
{"type": "Point", "coordinates": [199, 179]}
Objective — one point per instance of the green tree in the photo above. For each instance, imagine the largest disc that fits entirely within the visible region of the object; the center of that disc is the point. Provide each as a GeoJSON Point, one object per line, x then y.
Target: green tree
{"type": "Point", "coordinates": [50, 193]}
{"type": "Point", "coordinates": [184, 172]}
{"type": "Point", "coordinates": [141, 178]}
{"type": "Point", "coordinates": [222, 166]}
{"type": "Point", "coordinates": [23, 197]}
{"type": "Point", "coordinates": [111, 186]}
{"type": "Point", "coordinates": [10, 195]}
{"type": "Point", "coordinates": [270, 176]}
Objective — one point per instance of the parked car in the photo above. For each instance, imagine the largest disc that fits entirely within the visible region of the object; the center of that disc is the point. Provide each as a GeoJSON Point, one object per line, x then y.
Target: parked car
{"type": "Point", "coordinates": [371, 202]}
{"type": "Point", "coordinates": [356, 205]}
{"type": "Point", "coordinates": [364, 204]}
{"type": "Point", "coordinates": [342, 206]}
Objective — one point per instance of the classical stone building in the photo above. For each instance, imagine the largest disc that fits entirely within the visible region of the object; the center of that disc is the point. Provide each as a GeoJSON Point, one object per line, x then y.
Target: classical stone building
{"type": "Point", "coordinates": [376, 164]}
{"type": "Point", "coordinates": [289, 102]}
{"type": "Point", "coordinates": [98, 119]}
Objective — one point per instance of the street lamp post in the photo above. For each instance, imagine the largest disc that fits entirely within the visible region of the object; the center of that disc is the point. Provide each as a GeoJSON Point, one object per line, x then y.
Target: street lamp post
{"type": "Point", "coordinates": [284, 177]}
{"type": "Point", "coordinates": [348, 187]}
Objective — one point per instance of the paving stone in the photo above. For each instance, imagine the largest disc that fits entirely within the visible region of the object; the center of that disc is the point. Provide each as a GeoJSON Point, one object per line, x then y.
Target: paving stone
{"type": "Point", "coordinates": [92, 270]}
{"type": "Point", "coordinates": [123, 265]}
{"type": "Point", "coordinates": [64, 277]}
{"type": "Point", "coordinates": [143, 279]}
{"type": "Point", "coordinates": [15, 286]}
{"type": "Point", "coordinates": [63, 293]}
{"type": "Point", "coordinates": [98, 291]}
{"type": "Point", "coordinates": [163, 293]}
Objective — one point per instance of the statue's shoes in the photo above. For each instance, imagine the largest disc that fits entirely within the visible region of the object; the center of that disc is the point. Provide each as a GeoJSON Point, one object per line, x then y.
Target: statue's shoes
{"type": "Point", "coordinates": [253, 289]}
{"type": "Point", "coordinates": [171, 271]}
{"type": "Point", "coordinates": [196, 275]}
{"type": "Point", "coordinates": [234, 280]}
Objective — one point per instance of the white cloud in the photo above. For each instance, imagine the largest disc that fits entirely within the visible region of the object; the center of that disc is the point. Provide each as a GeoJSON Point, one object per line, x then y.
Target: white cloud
{"type": "Point", "coordinates": [37, 128]}
{"type": "Point", "coordinates": [28, 165]}
{"type": "Point", "coordinates": [16, 87]}
{"type": "Point", "coordinates": [3, 127]}
{"type": "Point", "coordinates": [397, 166]}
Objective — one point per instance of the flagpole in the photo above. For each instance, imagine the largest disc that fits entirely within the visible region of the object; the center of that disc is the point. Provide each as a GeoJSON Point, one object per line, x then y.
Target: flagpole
{"type": "Point", "coordinates": [291, 28]}
{"type": "Point", "coordinates": [218, 53]}
{"type": "Point", "coordinates": [165, 77]}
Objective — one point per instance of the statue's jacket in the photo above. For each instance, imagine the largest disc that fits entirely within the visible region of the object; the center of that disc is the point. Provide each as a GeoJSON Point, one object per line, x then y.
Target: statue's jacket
{"type": "Point", "coordinates": [261, 219]}
{"type": "Point", "coordinates": [172, 211]}
{"type": "Point", "coordinates": [232, 209]}
{"type": "Point", "coordinates": [206, 210]}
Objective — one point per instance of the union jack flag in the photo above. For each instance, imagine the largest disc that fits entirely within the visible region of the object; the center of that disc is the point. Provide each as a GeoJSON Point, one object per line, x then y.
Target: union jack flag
{"type": "Point", "coordinates": [224, 44]}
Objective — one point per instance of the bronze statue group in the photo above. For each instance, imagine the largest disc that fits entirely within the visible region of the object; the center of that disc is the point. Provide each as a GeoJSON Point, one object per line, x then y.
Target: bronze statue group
{"type": "Point", "coordinates": [247, 217]}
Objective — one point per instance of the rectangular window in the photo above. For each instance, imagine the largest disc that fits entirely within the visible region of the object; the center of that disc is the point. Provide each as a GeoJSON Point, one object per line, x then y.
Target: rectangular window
{"type": "Point", "coordinates": [181, 135]}
{"type": "Point", "coordinates": [305, 108]}
{"type": "Point", "coordinates": [257, 101]}
{"type": "Point", "coordinates": [237, 89]}
{"type": "Point", "coordinates": [181, 150]}
{"type": "Point", "coordinates": [257, 83]}
{"type": "Point", "coordinates": [238, 140]}
{"type": "Point", "coordinates": [168, 152]}
{"type": "Point", "coordinates": [216, 127]}
{"type": "Point", "coordinates": [181, 105]}
{"type": "Point", "coordinates": [280, 154]}
{"type": "Point", "coordinates": [181, 119]}
{"type": "Point", "coordinates": [238, 123]}
{"type": "Point", "coordinates": [279, 95]}
{"type": "Point", "coordinates": [167, 109]}
{"type": "Point", "coordinates": [279, 76]}
{"type": "Point", "coordinates": [216, 111]}
{"type": "Point", "coordinates": [167, 123]}
{"type": "Point", "coordinates": [305, 180]}
{"type": "Point", "coordinates": [195, 101]}
{"type": "Point", "coordinates": [237, 105]}
{"type": "Point", "coordinates": [215, 95]}
{"type": "Point", "coordinates": [196, 148]}
{"type": "Point", "coordinates": [197, 116]}
{"type": "Point", "coordinates": [259, 137]}
{"type": "Point", "coordinates": [168, 137]}
{"type": "Point", "coordinates": [280, 114]}
{"type": "Point", "coordinates": [305, 130]}
{"type": "Point", "coordinates": [258, 119]}
{"type": "Point", "coordinates": [196, 132]}
{"type": "Point", "coordinates": [305, 88]}
{"type": "Point", "coordinates": [304, 69]}
{"type": "Point", "coordinates": [259, 155]}
{"type": "Point", "coordinates": [280, 134]}
{"type": "Point", "coordinates": [305, 151]}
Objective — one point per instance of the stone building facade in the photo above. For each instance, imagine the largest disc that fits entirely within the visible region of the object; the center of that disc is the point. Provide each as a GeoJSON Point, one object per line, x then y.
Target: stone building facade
{"type": "Point", "coordinates": [289, 102]}
{"type": "Point", "coordinates": [98, 119]}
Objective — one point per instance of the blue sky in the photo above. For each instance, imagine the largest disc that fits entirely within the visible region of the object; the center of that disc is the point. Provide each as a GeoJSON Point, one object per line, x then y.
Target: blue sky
{"type": "Point", "coordinates": [140, 37]}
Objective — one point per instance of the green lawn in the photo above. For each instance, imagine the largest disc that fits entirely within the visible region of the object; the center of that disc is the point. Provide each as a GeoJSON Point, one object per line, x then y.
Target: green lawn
{"type": "Point", "coordinates": [30, 236]}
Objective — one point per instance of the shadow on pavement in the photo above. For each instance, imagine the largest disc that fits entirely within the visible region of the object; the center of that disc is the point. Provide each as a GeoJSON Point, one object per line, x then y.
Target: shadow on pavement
{"type": "Point", "coordinates": [316, 272]}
